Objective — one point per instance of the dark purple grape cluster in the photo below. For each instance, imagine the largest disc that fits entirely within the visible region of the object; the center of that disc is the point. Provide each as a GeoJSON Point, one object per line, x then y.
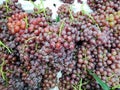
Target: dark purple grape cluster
{"type": "Point", "coordinates": [44, 12]}
{"type": "Point", "coordinates": [50, 79]}
{"type": "Point", "coordinates": [9, 8]}
{"type": "Point", "coordinates": [34, 48]}
{"type": "Point", "coordinates": [65, 11]}
{"type": "Point", "coordinates": [95, 45]}
{"type": "Point", "coordinates": [79, 1]}
{"type": "Point", "coordinates": [68, 1]}
{"type": "Point", "coordinates": [71, 1]}
{"type": "Point", "coordinates": [104, 6]}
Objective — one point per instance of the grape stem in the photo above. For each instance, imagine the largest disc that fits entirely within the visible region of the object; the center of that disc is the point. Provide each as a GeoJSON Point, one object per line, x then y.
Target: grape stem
{"type": "Point", "coordinates": [85, 52]}
{"type": "Point", "coordinates": [26, 21]}
{"type": "Point", "coordinates": [1, 69]}
{"type": "Point", "coordinates": [2, 72]}
{"type": "Point", "coordinates": [39, 10]}
{"type": "Point", "coordinates": [108, 78]}
{"type": "Point", "coordinates": [80, 84]}
{"type": "Point", "coordinates": [24, 46]}
{"type": "Point", "coordinates": [2, 44]}
{"type": "Point", "coordinates": [6, 5]}
{"type": "Point", "coordinates": [44, 11]}
{"type": "Point", "coordinates": [61, 27]}
{"type": "Point", "coordinates": [115, 87]}
{"type": "Point", "coordinates": [70, 11]}
{"type": "Point", "coordinates": [36, 46]}
{"type": "Point", "coordinates": [29, 39]}
{"type": "Point", "coordinates": [94, 21]}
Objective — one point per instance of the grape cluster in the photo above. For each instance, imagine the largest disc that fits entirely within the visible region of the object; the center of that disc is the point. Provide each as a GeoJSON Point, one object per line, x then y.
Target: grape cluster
{"type": "Point", "coordinates": [34, 48]}
{"type": "Point", "coordinates": [109, 6]}
{"type": "Point", "coordinates": [50, 80]}
{"type": "Point", "coordinates": [17, 23]}
{"type": "Point", "coordinates": [96, 37]}
{"type": "Point", "coordinates": [68, 1]}
{"type": "Point", "coordinates": [71, 1]}
{"type": "Point", "coordinates": [64, 11]}
{"type": "Point", "coordinates": [9, 8]}
{"type": "Point", "coordinates": [44, 12]}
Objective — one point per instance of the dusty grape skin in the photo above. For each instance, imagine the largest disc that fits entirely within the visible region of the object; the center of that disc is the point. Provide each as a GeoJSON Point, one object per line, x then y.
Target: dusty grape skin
{"type": "Point", "coordinates": [43, 49]}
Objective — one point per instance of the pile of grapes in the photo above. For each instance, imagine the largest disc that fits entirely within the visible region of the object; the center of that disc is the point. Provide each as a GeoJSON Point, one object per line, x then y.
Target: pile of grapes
{"type": "Point", "coordinates": [34, 47]}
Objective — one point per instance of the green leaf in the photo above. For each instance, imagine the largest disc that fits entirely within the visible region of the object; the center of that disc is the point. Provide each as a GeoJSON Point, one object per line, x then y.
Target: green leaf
{"type": "Point", "coordinates": [102, 84]}
{"type": "Point", "coordinates": [57, 19]}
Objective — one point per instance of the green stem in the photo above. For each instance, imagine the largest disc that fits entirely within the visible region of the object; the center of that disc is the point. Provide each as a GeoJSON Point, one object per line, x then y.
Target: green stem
{"type": "Point", "coordinates": [25, 45]}
{"type": "Point", "coordinates": [1, 43]}
{"type": "Point", "coordinates": [26, 21]}
{"type": "Point", "coordinates": [38, 7]}
{"type": "Point", "coordinates": [29, 39]}
{"type": "Point", "coordinates": [1, 69]}
{"type": "Point", "coordinates": [94, 21]}
{"type": "Point", "coordinates": [115, 87]}
{"type": "Point", "coordinates": [36, 46]}
{"type": "Point", "coordinates": [108, 78]}
{"type": "Point", "coordinates": [71, 16]}
{"type": "Point", "coordinates": [61, 27]}
{"type": "Point", "coordinates": [44, 11]}
{"type": "Point", "coordinates": [2, 72]}
{"type": "Point", "coordinates": [80, 84]}
{"type": "Point", "coordinates": [6, 5]}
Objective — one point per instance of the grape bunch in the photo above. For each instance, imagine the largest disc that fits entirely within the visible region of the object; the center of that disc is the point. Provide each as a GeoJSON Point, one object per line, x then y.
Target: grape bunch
{"type": "Point", "coordinates": [64, 11]}
{"type": "Point", "coordinates": [68, 1]}
{"type": "Point", "coordinates": [8, 8]}
{"type": "Point", "coordinates": [34, 48]}
{"type": "Point", "coordinates": [71, 1]}
{"type": "Point", "coordinates": [107, 7]}
{"type": "Point", "coordinates": [17, 22]}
